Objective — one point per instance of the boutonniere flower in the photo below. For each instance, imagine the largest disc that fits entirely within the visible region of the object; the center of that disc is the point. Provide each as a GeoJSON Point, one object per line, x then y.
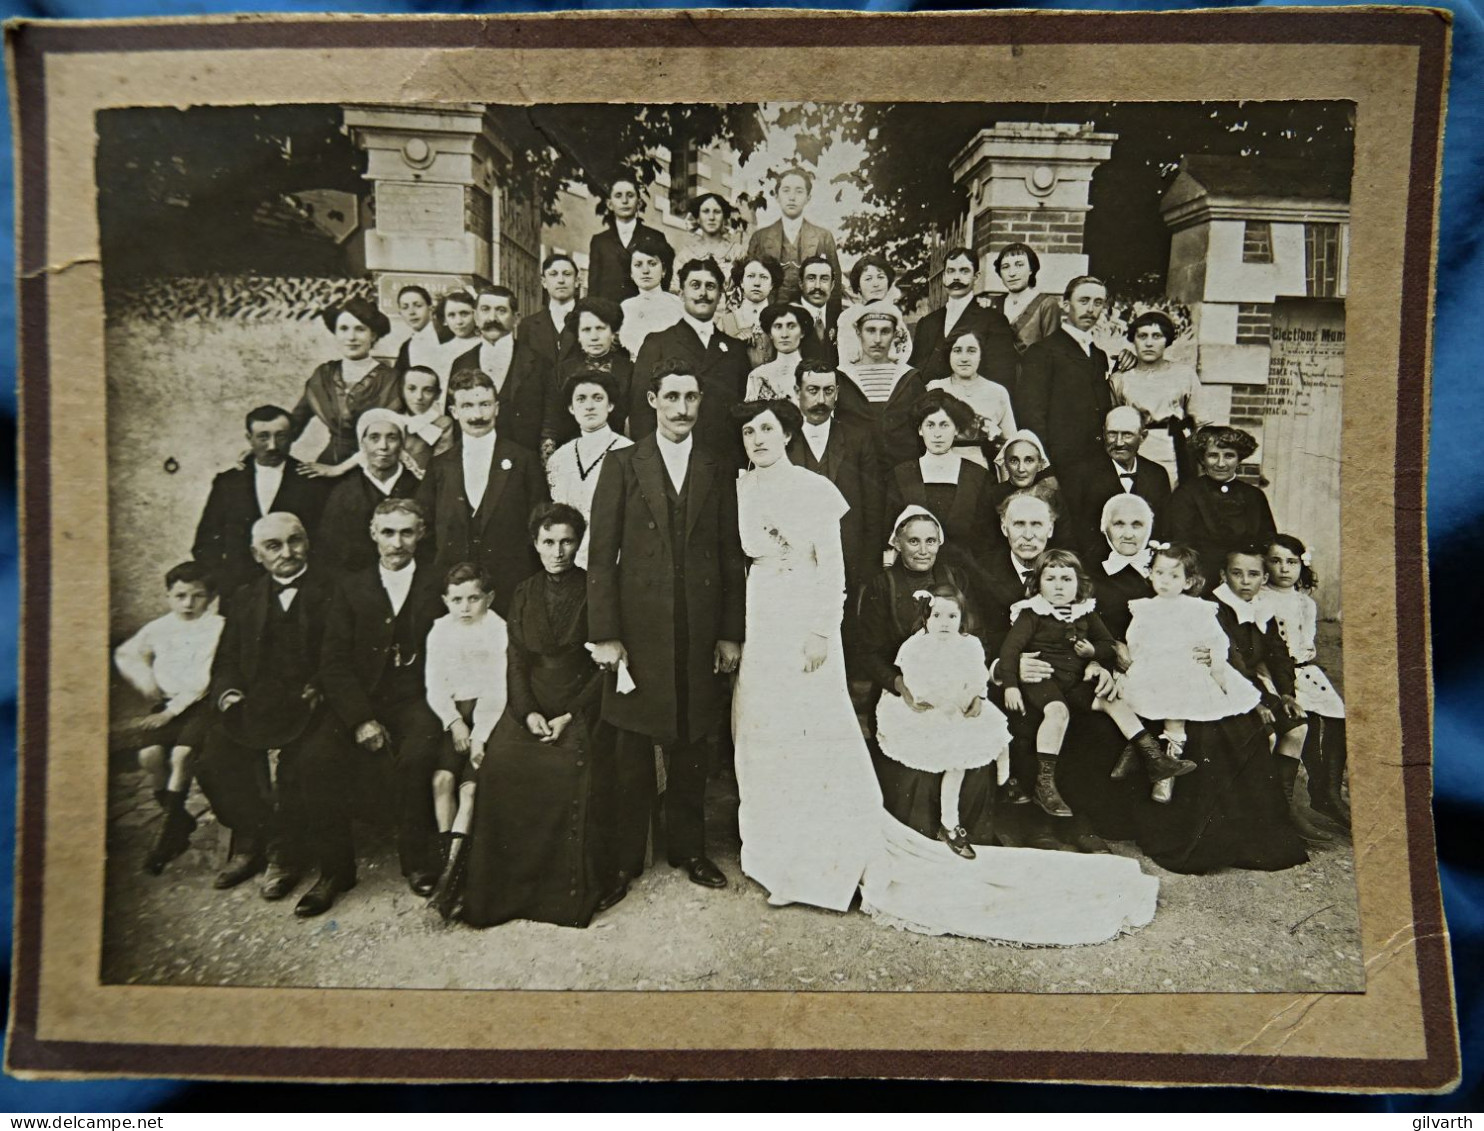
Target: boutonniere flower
{"type": "Point", "coordinates": [722, 346]}
{"type": "Point", "coordinates": [505, 465]}
{"type": "Point", "coordinates": [985, 301]}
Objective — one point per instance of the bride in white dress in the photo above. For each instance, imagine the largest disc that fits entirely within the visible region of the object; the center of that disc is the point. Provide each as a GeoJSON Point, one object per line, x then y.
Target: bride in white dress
{"type": "Point", "coordinates": [810, 806]}
{"type": "Point", "coordinates": [813, 826]}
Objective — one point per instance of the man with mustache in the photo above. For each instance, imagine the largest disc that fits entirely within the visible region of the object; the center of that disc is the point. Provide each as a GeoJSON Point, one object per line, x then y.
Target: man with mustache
{"type": "Point", "coordinates": [845, 454]}
{"type": "Point", "coordinates": [379, 722]}
{"type": "Point", "coordinates": [478, 495]}
{"type": "Point", "coordinates": [1086, 486]}
{"type": "Point", "coordinates": [265, 693]}
{"type": "Point", "coordinates": [718, 363]}
{"type": "Point", "coordinates": [521, 379]}
{"type": "Point", "coordinates": [963, 311]}
{"type": "Point", "coordinates": [820, 299]}
{"type": "Point", "coordinates": [1064, 393]}
{"type": "Point", "coordinates": [665, 607]}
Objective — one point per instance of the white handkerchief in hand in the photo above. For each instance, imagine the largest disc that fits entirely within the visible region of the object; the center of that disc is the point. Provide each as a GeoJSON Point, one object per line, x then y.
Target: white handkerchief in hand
{"type": "Point", "coordinates": [625, 680]}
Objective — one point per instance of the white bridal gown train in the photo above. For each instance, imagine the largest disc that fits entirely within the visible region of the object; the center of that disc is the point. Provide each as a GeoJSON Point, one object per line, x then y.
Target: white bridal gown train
{"type": "Point", "coordinates": [812, 822]}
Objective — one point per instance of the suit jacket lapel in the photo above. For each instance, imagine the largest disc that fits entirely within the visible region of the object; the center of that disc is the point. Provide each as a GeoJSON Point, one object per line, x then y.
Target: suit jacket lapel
{"type": "Point", "coordinates": [834, 452]}
{"type": "Point", "coordinates": [649, 469]}
{"type": "Point", "coordinates": [700, 475]}
{"type": "Point", "coordinates": [494, 485]}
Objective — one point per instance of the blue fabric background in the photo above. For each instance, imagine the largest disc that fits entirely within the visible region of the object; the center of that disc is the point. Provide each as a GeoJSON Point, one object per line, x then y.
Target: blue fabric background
{"type": "Point", "coordinates": [1456, 523]}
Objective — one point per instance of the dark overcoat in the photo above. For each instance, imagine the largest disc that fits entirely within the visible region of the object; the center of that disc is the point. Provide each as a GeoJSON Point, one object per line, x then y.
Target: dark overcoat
{"type": "Point", "coordinates": [1063, 397]}
{"type": "Point", "coordinates": [497, 535]}
{"type": "Point", "coordinates": [527, 398]}
{"type": "Point", "coordinates": [223, 541]}
{"type": "Point", "coordinates": [632, 554]}
{"type": "Point", "coordinates": [1087, 486]}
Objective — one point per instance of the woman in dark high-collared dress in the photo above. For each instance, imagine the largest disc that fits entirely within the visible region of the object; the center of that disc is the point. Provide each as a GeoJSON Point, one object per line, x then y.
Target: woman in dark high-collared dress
{"type": "Point", "coordinates": [338, 391]}
{"type": "Point", "coordinates": [532, 850]}
{"type": "Point", "coordinates": [957, 490]}
{"type": "Point", "coordinates": [1217, 511]}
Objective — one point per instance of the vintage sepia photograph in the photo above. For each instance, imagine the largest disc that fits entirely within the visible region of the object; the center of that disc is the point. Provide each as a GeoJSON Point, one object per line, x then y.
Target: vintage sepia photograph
{"type": "Point", "coordinates": [882, 546]}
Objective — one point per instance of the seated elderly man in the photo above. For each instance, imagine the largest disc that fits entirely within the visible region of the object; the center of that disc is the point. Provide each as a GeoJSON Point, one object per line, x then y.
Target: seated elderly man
{"type": "Point", "coordinates": [1027, 522]}
{"type": "Point", "coordinates": [372, 670]}
{"type": "Point", "coordinates": [381, 434]}
{"type": "Point", "coordinates": [266, 693]}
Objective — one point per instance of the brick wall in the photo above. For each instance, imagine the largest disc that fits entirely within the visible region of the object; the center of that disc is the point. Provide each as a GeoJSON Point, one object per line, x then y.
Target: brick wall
{"type": "Point", "coordinates": [1050, 230]}
{"type": "Point", "coordinates": [1254, 323]}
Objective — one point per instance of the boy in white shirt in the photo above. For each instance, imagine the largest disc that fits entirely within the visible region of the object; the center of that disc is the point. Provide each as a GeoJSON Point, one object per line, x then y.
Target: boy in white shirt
{"type": "Point", "coordinates": [168, 661]}
{"type": "Point", "coordinates": [465, 678]}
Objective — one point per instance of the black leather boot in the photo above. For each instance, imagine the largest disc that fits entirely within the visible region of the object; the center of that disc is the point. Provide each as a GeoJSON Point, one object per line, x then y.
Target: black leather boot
{"type": "Point", "coordinates": [1047, 796]}
{"type": "Point", "coordinates": [175, 830]}
{"type": "Point", "coordinates": [451, 880]}
{"type": "Point", "coordinates": [1288, 769]}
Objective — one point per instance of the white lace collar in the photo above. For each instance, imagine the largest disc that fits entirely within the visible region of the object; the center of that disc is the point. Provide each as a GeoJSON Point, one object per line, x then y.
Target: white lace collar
{"type": "Point", "coordinates": [1248, 612]}
{"type": "Point", "coordinates": [1115, 563]}
{"type": "Point", "coordinates": [1042, 607]}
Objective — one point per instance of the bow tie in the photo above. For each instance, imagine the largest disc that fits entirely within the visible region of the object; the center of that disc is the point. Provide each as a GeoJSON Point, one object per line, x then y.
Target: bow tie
{"type": "Point", "coordinates": [286, 586]}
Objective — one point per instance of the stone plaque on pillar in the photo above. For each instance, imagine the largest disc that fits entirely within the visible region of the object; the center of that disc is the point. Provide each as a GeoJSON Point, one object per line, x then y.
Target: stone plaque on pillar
{"type": "Point", "coordinates": [1028, 183]}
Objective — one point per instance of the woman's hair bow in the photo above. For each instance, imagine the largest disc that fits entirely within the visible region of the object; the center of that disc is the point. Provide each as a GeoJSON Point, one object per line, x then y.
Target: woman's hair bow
{"type": "Point", "coordinates": [1307, 558]}
{"type": "Point", "coordinates": [1153, 545]}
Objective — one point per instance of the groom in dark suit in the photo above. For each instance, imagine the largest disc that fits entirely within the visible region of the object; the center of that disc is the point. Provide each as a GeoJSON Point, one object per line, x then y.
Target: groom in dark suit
{"type": "Point", "coordinates": [718, 362]}
{"type": "Point", "coordinates": [268, 482]}
{"type": "Point", "coordinates": [479, 494]}
{"type": "Point", "coordinates": [1063, 393]}
{"type": "Point", "coordinates": [847, 456]}
{"type": "Point", "coordinates": [1086, 486]}
{"type": "Point", "coordinates": [665, 605]}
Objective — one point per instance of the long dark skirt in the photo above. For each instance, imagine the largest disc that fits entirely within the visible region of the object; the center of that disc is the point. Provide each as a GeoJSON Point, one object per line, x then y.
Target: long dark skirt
{"type": "Point", "coordinates": [532, 846]}
{"type": "Point", "coordinates": [914, 797]}
{"type": "Point", "coordinates": [1229, 813]}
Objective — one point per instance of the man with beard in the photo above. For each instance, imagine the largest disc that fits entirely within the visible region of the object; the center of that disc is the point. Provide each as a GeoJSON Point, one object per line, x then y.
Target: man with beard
{"type": "Point", "coordinates": [268, 482]}
{"type": "Point", "coordinates": [1063, 394]}
{"type": "Point", "coordinates": [1086, 486]}
{"type": "Point", "coordinates": [343, 527]}
{"type": "Point", "coordinates": [819, 298]}
{"type": "Point", "coordinates": [845, 454]}
{"type": "Point", "coordinates": [665, 603]}
{"type": "Point", "coordinates": [520, 381]}
{"type": "Point", "coordinates": [265, 691]}
{"type": "Point", "coordinates": [697, 347]}
{"type": "Point", "coordinates": [1027, 522]}
{"type": "Point", "coordinates": [478, 495]}
{"type": "Point", "coordinates": [963, 311]}
{"type": "Point", "coordinates": [371, 670]}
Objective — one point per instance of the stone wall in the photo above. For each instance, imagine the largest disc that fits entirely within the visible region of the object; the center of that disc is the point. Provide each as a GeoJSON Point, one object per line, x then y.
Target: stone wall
{"type": "Point", "coordinates": [186, 359]}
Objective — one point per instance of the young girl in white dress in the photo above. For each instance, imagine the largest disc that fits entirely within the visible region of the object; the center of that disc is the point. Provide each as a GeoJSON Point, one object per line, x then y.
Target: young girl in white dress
{"type": "Point", "coordinates": [1164, 679]}
{"type": "Point", "coordinates": [1286, 596]}
{"type": "Point", "coordinates": [942, 722]}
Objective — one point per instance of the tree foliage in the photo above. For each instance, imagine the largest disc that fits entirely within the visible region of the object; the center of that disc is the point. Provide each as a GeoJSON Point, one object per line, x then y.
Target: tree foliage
{"type": "Point", "coordinates": [184, 192]}
{"type": "Point", "coordinates": [909, 184]}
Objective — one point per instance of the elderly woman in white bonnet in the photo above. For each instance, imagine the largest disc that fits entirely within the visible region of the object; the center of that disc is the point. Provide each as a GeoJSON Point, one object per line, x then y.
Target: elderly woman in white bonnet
{"type": "Point", "coordinates": [344, 539]}
{"type": "Point", "coordinates": [1123, 575]}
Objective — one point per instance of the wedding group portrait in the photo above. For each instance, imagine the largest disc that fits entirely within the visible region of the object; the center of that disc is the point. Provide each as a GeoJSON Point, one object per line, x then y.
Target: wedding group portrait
{"type": "Point", "coordinates": [760, 546]}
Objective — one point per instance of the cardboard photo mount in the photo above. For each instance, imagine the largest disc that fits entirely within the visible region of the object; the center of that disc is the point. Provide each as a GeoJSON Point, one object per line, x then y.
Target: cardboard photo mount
{"type": "Point", "coordinates": [1399, 1035]}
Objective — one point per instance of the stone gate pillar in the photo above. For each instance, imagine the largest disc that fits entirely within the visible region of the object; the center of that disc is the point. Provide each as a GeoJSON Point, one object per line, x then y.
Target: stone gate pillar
{"type": "Point", "coordinates": [441, 211]}
{"type": "Point", "coordinates": [1028, 182]}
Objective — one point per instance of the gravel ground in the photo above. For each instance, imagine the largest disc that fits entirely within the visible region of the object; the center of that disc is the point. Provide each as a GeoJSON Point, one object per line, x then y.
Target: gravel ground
{"type": "Point", "coordinates": [1229, 932]}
